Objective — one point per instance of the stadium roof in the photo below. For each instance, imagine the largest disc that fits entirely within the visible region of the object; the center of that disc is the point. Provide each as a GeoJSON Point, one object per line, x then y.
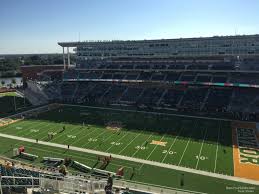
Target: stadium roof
{"type": "Point", "coordinates": [74, 44]}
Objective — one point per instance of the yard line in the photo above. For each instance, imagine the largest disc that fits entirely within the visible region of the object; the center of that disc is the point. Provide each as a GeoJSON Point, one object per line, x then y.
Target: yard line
{"type": "Point", "coordinates": [201, 148]}
{"type": "Point", "coordinates": [38, 124]}
{"type": "Point", "coordinates": [40, 128]}
{"type": "Point", "coordinates": [172, 145]}
{"type": "Point", "coordinates": [154, 148]}
{"type": "Point", "coordinates": [129, 143]}
{"type": "Point", "coordinates": [89, 158]}
{"type": "Point", "coordinates": [105, 139]}
{"type": "Point", "coordinates": [31, 132]}
{"type": "Point", "coordinates": [87, 134]}
{"type": "Point", "coordinates": [11, 126]}
{"type": "Point", "coordinates": [117, 141]}
{"type": "Point", "coordinates": [142, 144]}
{"type": "Point", "coordinates": [95, 138]}
{"type": "Point", "coordinates": [67, 131]}
{"type": "Point", "coordinates": [19, 131]}
{"type": "Point", "coordinates": [76, 133]}
{"type": "Point", "coordinates": [215, 166]}
{"type": "Point", "coordinates": [151, 153]}
{"type": "Point", "coordinates": [137, 160]}
{"type": "Point", "coordinates": [59, 135]}
{"type": "Point", "coordinates": [25, 120]}
{"type": "Point", "coordinates": [195, 125]}
{"type": "Point", "coordinates": [184, 151]}
{"type": "Point", "coordinates": [44, 130]}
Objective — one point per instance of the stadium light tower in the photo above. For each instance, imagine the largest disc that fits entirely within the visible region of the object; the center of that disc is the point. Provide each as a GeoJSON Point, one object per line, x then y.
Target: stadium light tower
{"type": "Point", "coordinates": [68, 58]}
{"type": "Point", "coordinates": [64, 58]}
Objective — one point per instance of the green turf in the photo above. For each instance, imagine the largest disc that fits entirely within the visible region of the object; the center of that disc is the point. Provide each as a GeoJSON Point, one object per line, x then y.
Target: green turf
{"type": "Point", "coordinates": [194, 143]}
{"type": "Point", "coordinates": [144, 173]}
{"type": "Point", "coordinates": [191, 143]}
{"type": "Point", "coordinates": [8, 94]}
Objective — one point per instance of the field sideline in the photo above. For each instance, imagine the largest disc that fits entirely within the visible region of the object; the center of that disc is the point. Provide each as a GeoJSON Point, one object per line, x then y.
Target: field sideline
{"type": "Point", "coordinates": [195, 143]}
{"type": "Point", "coordinates": [188, 142]}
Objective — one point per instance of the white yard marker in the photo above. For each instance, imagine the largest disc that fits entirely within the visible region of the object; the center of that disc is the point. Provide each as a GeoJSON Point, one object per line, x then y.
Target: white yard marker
{"type": "Point", "coordinates": [28, 132]}
{"type": "Point", "coordinates": [217, 149]}
{"type": "Point", "coordinates": [105, 139]}
{"type": "Point", "coordinates": [172, 145]}
{"type": "Point", "coordinates": [10, 127]}
{"type": "Point", "coordinates": [75, 134]}
{"type": "Point", "coordinates": [94, 138]}
{"type": "Point", "coordinates": [41, 130]}
{"type": "Point", "coordinates": [201, 148]}
{"type": "Point", "coordinates": [84, 136]}
{"type": "Point", "coordinates": [27, 127]}
{"type": "Point", "coordinates": [117, 141]}
{"type": "Point", "coordinates": [129, 143]}
{"type": "Point", "coordinates": [33, 127]}
{"type": "Point", "coordinates": [142, 144]}
{"type": "Point", "coordinates": [59, 135]}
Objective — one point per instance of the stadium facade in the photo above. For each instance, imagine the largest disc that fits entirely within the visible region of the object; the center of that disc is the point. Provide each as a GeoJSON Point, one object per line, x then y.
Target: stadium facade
{"type": "Point", "coordinates": [198, 75]}
{"type": "Point", "coordinates": [247, 45]}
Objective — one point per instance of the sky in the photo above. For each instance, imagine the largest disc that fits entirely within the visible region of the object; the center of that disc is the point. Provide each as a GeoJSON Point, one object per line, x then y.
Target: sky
{"type": "Point", "coordinates": [35, 26]}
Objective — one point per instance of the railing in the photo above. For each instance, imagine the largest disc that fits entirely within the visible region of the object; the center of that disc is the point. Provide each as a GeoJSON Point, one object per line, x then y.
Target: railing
{"type": "Point", "coordinates": [77, 184]}
{"type": "Point", "coordinates": [10, 182]}
{"type": "Point", "coordinates": [149, 188]}
{"type": "Point", "coordinates": [58, 184]}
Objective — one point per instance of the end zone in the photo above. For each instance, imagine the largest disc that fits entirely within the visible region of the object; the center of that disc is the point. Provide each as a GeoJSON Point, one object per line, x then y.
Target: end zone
{"type": "Point", "coordinates": [245, 150]}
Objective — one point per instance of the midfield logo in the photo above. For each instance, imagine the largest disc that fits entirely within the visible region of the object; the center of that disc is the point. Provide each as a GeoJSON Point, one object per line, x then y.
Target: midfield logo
{"type": "Point", "coordinates": [161, 143]}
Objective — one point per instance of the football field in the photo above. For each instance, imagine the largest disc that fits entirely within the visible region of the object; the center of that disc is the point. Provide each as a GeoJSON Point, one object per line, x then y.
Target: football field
{"type": "Point", "coordinates": [195, 143]}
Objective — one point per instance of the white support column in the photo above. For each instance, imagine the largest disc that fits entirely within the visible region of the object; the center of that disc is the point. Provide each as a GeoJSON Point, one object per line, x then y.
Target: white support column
{"type": "Point", "coordinates": [68, 58]}
{"type": "Point", "coordinates": [64, 58]}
